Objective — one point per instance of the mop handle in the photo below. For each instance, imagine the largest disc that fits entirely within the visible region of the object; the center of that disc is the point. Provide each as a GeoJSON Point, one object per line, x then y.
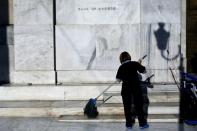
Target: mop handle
{"type": "Point", "coordinates": [174, 78]}
{"type": "Point", "coordinates": [115, 82]}
{"type": "Point", "coordinates": [140, 60]}
{"type": "Point", "coordinates": [106, 89]}
{"type": "Point", "coordinates": [143, 57]}
{"type": "Point", "coordinates": [147, 79]}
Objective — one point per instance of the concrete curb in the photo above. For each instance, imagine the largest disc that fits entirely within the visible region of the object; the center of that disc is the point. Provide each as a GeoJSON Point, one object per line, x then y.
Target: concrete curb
{"type": "Point", "coordinates": [115, 120]}
{"type": "Point", "coordinates": [57, 112]}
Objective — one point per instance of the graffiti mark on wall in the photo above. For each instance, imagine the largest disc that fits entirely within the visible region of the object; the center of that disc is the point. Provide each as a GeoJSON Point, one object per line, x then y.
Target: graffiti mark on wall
{"type": "Point", "coordinates": [162, 37]}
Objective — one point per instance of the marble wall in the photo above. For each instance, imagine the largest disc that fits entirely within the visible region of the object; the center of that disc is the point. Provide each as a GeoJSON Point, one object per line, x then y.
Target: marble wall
{"type": "Point", "coordinates": [161, 38]}
{"type": "Point", "coordinates": [34, 40]}
{"type": "Point", "coordinates": [98, 11]}
{"type": "Point", "coordinates": [87, 47]}
{"type": "Point", "coordinates": [98, 47]}
{"type": "Point", "coordinates": [155, 11]}
{"type": "Point", "coordinates": [33, 12]}
{"type": "Point", "coordinates": [34, 48]}
{"type": "Point", "coordinates": [89, 36]}
{"type": "Point", "coordinates": [161, 42]}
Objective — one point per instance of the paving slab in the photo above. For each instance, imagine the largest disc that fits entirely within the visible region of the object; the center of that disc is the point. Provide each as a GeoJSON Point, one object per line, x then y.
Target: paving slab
{"type": "Point", "coordinates": [52, 124]}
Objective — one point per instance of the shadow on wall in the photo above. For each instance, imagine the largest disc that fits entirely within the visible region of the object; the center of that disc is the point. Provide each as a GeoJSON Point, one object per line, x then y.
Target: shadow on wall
{"type": "Point", "coordinates": [4, 48]}
{"type": "Point", "coordinates": [162, 37]}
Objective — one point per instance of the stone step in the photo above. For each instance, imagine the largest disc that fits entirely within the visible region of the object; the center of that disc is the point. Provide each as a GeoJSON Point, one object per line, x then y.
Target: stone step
{"type": "Point", "coordinates": [117, 118]}
{"type": "Point", "coordinates": [73, 108]}
{"type": "Point", "coordinates": [69, 104]}
{"type": "Point", "coordinates": [57, 112]}
{"type": "Point", "coordinates": [69, 100]}
{"type": "Point", "coordinates": [170, 92]}
{"type": "Point", "coordinates": [154, 96]}
{"type": "Point", "coordinates": [65, 92]}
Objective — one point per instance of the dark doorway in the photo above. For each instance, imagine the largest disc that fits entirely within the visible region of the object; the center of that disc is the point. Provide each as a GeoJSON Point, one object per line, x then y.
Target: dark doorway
{"type": "Point", "coordinates": [191, 35]}
{"type": "Point", "coordinates": [4, 46]}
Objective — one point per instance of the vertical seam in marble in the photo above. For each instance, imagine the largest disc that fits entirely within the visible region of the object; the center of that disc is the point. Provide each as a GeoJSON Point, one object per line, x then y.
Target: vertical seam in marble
{"type": "Point", "coordinates": [140, 12]}
{"type": "Point", "coordinates": [149, 44]}
{"type": "Point", "coordinates": [54, 39]}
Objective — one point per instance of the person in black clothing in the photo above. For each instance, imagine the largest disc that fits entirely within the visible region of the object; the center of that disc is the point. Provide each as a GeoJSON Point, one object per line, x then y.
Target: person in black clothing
{"type": "Point", "coordinates": [131, 92]}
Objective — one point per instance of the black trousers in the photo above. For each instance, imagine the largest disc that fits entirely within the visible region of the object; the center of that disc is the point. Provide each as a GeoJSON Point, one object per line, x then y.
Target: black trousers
{"type": "Point", "coordinates": [133, 98]}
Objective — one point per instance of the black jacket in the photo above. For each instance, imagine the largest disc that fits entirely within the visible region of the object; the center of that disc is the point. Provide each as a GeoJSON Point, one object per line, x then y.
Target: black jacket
{"type": "Point", "coordinates": [128, 74]}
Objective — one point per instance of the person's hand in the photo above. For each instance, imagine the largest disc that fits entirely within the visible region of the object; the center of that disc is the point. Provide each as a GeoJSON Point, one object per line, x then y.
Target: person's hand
{"type": "Point", "coordinates": [140, 61]}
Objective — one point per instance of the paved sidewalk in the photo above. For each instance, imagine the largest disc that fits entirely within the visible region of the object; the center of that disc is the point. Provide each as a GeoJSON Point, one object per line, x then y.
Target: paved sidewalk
{"type": "Point", "coordinates": [52, 124]}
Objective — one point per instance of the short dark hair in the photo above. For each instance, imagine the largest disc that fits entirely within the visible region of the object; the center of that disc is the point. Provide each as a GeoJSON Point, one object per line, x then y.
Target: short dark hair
{"type": "Point", "coordinates": [124, 56]}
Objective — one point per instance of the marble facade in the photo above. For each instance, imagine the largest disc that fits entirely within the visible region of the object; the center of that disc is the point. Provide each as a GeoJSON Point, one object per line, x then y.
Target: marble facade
{"type": "Point", "coordinates": [33, 12]}
{"type": "Point", "coordinates": [39, 54]}
{"type": "Point", "coordinates": [34, 41]}
{"type": "Point", "coordinates": [97, 12]}
{"type": "Point", "coordinates": [89, 36]}
{"type": "Point", "coordinates": [94, 47]}
{"type": "Point", "coordinates": [166, 11]}
{"type": "Point", "coordinates": [151, 27]}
